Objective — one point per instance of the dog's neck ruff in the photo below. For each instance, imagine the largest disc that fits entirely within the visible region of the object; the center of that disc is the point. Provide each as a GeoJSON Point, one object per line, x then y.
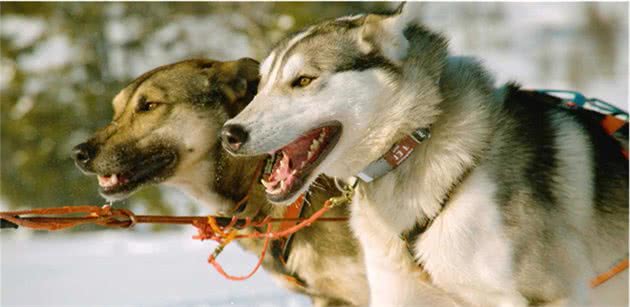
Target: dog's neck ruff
{"type": "Point", "coordinates": [395, 156]}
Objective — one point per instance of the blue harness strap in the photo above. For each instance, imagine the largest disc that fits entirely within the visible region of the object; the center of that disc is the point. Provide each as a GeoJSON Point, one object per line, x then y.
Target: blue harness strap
{"type": "Point", "coordinates": [614, 121]}
{"type": "Point", "coordinates": [576, 100]}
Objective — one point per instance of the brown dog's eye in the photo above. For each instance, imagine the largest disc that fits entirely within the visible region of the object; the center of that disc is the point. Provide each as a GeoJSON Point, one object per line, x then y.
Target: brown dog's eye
{"type": "Point", "coordinates": [145, 106]}
{"type": "Point", "coordinates": [303, 81]}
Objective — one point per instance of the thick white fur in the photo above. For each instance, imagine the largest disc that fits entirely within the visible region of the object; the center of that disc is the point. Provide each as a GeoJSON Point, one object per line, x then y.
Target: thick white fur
{"type": "Point", "coordinates": [265, 66]}
{"type": "Point", "coordinates": [465, 250]}
{"type": "Point", "coordinates": [292, 67]}
{"type": "Point", "coordinates": [394, 277]}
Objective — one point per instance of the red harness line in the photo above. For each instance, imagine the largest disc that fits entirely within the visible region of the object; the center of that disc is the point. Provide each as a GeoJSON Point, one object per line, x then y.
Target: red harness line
{"type": "Point", "coordinates": [225, 235]}
{"type": "Point", "coordinates": [208, 227]}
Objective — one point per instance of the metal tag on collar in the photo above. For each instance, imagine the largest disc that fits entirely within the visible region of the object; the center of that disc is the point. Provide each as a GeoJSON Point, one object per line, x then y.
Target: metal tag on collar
{"type": "Point", "coordinates": [421, 134]}
{"type": "Point", "coordinates": [394, 156]}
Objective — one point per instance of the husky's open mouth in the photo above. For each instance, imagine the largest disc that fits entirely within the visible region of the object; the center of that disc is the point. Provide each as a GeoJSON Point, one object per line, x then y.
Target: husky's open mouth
{"type": "Point", "coordinates": [151, 169]}
{"type": "Point", "coordinates": [297, 160]}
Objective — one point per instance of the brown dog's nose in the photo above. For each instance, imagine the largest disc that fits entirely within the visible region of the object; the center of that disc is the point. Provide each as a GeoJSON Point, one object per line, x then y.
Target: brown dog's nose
{"type": "Point", "coordinates": [83, 153]}
{"type": "Point", "coordinates": [233, 136]}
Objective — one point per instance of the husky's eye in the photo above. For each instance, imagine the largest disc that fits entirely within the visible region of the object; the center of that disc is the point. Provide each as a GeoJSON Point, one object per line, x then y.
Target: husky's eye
{"type": "Point", "coordinates": [145, 106]}
{"type": "Point", "coordinates": [302, 81]}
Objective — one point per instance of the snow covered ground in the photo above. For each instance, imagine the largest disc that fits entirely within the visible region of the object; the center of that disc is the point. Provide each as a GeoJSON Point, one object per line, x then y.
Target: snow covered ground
{"type": "Point", "coordinates": [128, 268]}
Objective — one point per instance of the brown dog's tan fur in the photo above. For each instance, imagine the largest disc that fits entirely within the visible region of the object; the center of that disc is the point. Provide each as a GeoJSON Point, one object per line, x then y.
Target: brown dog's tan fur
{"type": "Point", "coordinates": [193, 99]}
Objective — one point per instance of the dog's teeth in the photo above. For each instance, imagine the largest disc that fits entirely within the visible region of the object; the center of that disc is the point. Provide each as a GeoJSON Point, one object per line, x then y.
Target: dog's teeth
{"type": "Point", "coordinates": [302, 165]}
{"type": "Point", "coordinates": [309, 156]}
{"type": "Point", "coordinates": [268, 185]}
{"type": "Point", "coordinates": [264, 183]}
{"type": "Point", "coordinates": [283, 185]}
{"type": "Point", "coordinates": [294, 172]}
{"type": "Point", "coordinates": [322, 136]}
{"type": "Point", "coordinates": [107, 181]}
{"type": "Point", "coordinates": [276, 191]}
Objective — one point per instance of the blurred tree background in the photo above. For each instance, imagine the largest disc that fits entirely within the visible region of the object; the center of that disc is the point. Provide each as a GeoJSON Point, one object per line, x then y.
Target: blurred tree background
{"type": "Point", "coordinates": [62, 63]}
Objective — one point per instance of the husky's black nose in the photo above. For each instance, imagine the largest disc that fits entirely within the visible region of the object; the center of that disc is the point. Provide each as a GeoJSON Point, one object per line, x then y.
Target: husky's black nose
{"type": "Point", "coordinates": [233, 136]}
{"type": "Point", "coordinates": [83, 153]}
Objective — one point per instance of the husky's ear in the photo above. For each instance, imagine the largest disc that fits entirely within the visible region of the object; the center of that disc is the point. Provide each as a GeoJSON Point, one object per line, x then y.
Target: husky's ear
{"type": "Point", "coordinates": [237, 81]}
{"type": "Point", "coordinates": [385, 33]}
{"type": "Point", "coordinates": [429, 51]}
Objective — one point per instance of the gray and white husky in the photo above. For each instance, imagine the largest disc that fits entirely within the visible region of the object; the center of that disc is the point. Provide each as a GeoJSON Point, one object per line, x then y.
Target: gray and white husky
{"type": "Point", "coordinates": [509, 203]}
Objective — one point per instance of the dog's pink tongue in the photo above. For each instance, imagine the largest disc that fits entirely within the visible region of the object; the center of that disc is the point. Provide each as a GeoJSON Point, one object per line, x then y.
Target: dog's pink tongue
{"type": "Point", "coordinates": [282, 176]}
{"type": "Point", "coordinates": [284, 169]}
{"type": "Point", "coordinates": [294, 157]}
{"type": "Point", "coordinates": [299, 149]}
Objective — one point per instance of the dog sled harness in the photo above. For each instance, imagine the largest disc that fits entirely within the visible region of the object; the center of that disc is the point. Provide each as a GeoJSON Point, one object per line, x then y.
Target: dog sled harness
{"type": "Point", "coordinates": [221, 229]}
{"type": "Point", "coordinates": [281, 248]}
{"type": "Point", "coordinates": [280, 245]}
{"type": "Point", "coordinates": [613, 120]}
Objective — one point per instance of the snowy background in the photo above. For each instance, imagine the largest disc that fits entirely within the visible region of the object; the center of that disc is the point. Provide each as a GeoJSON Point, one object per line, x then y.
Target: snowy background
{"type": "Point", "coordinates": [60, 65]}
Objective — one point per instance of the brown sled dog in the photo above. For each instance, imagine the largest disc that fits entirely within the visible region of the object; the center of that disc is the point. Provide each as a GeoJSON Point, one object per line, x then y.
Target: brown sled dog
{"type": "Point", "coordinates": [166, 131]}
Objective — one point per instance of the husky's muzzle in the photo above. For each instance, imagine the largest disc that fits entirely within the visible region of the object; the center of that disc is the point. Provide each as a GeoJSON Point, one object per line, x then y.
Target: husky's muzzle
{"type": "Point", "coordinates": [294, 163]}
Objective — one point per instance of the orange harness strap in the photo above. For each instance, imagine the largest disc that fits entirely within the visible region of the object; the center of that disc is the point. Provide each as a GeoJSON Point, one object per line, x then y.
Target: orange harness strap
{"type": "Point", "coordinates": [604, 277]}
{"type": "Point", "coordinates": [292, 213]}
{"type": "Point", "coordinates": [281, 247]}
{"type": "Point", "coordinates": [611, 124]}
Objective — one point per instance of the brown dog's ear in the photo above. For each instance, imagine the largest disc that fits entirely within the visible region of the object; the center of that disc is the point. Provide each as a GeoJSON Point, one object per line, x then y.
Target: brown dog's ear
{"type": "Point", "coordinates": [238, 82]}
